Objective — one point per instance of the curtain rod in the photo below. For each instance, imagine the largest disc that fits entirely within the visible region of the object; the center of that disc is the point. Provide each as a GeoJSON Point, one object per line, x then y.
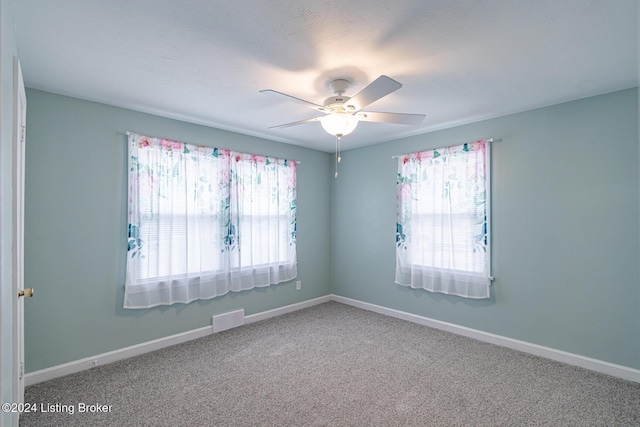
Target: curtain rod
{"type": "Point", "coordinates": [487, 140]}
{"type": "Point", "coordinates": [128, 133]}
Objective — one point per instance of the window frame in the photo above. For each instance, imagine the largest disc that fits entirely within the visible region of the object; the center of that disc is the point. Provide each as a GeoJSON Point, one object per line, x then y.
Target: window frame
{"type": "Point", "coordinates": [224, 175]}
{"type": "Point", "coordinates": [434, 273]}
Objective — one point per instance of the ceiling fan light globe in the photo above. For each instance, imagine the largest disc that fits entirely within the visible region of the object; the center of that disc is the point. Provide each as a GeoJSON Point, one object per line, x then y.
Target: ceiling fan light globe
{"type": "Point", "coordinates": [339, 124]}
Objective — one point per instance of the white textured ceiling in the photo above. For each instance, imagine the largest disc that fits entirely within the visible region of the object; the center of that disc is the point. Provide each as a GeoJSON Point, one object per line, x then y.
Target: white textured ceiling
{"type": "Point", "coordinates": [204, 61]}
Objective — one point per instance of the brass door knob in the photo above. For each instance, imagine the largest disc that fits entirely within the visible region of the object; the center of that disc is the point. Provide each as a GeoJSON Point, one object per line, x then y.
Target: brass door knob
{"type": "Point", "coordinates": [26, 292]}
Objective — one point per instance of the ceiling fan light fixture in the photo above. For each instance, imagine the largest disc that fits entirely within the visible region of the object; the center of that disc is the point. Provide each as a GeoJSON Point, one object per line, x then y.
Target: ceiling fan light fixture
{"type": "Point", "coordinates": [339, 124]}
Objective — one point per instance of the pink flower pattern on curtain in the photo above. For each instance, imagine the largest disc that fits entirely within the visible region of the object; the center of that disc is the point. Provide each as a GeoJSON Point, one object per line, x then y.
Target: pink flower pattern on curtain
{"type": "Point", "coordinates": [441, 231]}
{"type": "Point", "coordinates": [204, 221]}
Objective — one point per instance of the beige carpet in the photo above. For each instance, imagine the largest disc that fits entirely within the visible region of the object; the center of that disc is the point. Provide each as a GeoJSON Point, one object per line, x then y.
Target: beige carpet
{"type": "Point", "coordinates": [336, 365]}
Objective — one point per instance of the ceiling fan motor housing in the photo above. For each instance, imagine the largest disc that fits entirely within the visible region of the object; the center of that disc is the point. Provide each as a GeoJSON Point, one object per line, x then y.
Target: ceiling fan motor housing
{"type": "Point", "coordinates": [338, 104]}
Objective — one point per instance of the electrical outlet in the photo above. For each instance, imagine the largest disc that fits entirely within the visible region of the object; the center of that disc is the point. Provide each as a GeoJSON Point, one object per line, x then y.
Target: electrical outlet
{"type": "Point", "coordinates": [298, 285]}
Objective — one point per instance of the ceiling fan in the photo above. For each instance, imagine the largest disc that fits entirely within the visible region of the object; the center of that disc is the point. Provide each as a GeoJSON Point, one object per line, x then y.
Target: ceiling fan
{"type": "Point", "coordinates": [342, 113]}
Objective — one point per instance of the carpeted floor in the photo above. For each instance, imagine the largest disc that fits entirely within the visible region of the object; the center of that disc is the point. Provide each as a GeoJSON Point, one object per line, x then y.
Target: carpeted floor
{"type": "Point", "coordinates": [336, 365]}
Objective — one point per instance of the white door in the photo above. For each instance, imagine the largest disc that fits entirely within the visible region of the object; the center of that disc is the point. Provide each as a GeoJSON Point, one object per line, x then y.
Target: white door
{"type": "Point", "coordinates": [19, 133]}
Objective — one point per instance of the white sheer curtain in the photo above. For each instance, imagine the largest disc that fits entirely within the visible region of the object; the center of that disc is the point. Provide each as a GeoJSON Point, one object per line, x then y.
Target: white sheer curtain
{"type": "Point", "coordinates": [205, 221]}
{"type": "Point", "coordinates": [262, 204]}
{"type": "Point", "coordinates": [442, 242]}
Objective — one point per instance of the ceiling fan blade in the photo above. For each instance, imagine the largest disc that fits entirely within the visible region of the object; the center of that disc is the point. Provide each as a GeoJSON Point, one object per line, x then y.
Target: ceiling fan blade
{"type": "Point", "coordinates": [300, 122]}
{"type": "Point", "coordinates": [382, 86]}
{"type": "Point", "coordinates": [397, 118]}
{"type": "Point", "coordinates": [293, 98]}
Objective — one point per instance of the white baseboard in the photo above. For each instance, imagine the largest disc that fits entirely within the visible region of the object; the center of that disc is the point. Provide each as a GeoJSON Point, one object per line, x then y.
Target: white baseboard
{"type": "Point", "coordinates": [113, 356]}
{"type": "Point", "coordinates": [612, 369]}
{"type": "Point", "coordinates": [286, 309]}
{"type": "Point", "coordinates": [146, 347]}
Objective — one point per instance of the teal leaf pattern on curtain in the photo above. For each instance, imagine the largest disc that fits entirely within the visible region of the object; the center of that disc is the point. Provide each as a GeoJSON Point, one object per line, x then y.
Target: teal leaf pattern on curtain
{"type": "Point", "coordinates": [203, 221]}
{"type": "Point", "coordinates": [441, 228]}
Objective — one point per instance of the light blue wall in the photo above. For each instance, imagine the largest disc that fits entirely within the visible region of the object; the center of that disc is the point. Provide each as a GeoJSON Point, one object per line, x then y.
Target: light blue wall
{"type": "Point", "coordinates": [8, 49]}
{"type": "Point", "coordinates": [565, 217]}
{"type": "Point", "coordinates": [565, 228]}
{"type": "Point", "coordinates": [75, 240]}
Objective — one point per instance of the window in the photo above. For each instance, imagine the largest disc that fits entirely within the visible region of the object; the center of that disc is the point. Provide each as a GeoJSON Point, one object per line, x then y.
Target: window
{"type": "Point", "coordinates": [205, 221]}
{"type": "Point", "coordinates": [442, 240]}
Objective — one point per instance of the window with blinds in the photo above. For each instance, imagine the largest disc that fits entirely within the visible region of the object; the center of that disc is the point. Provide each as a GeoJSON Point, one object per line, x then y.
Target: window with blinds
{"type": "Point", "coordinates": [442, 231]}
{"type": "Point", "coordinates": [205, 221]}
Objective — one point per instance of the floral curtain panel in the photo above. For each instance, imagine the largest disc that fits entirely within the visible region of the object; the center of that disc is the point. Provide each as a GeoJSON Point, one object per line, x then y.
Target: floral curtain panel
{"type": "Point", "coordinates": [442, 229]}
{"type": "Point", "coordinates": [205, 221]}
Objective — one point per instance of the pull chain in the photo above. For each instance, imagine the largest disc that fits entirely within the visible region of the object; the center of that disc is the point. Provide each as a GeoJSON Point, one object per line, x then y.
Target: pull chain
{"type": "Point", "coordinates": [338, 158]}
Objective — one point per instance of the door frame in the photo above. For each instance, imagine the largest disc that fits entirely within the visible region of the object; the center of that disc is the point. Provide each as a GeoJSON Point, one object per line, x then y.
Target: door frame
{"type": "Point", "coordinates": [18, 166]}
